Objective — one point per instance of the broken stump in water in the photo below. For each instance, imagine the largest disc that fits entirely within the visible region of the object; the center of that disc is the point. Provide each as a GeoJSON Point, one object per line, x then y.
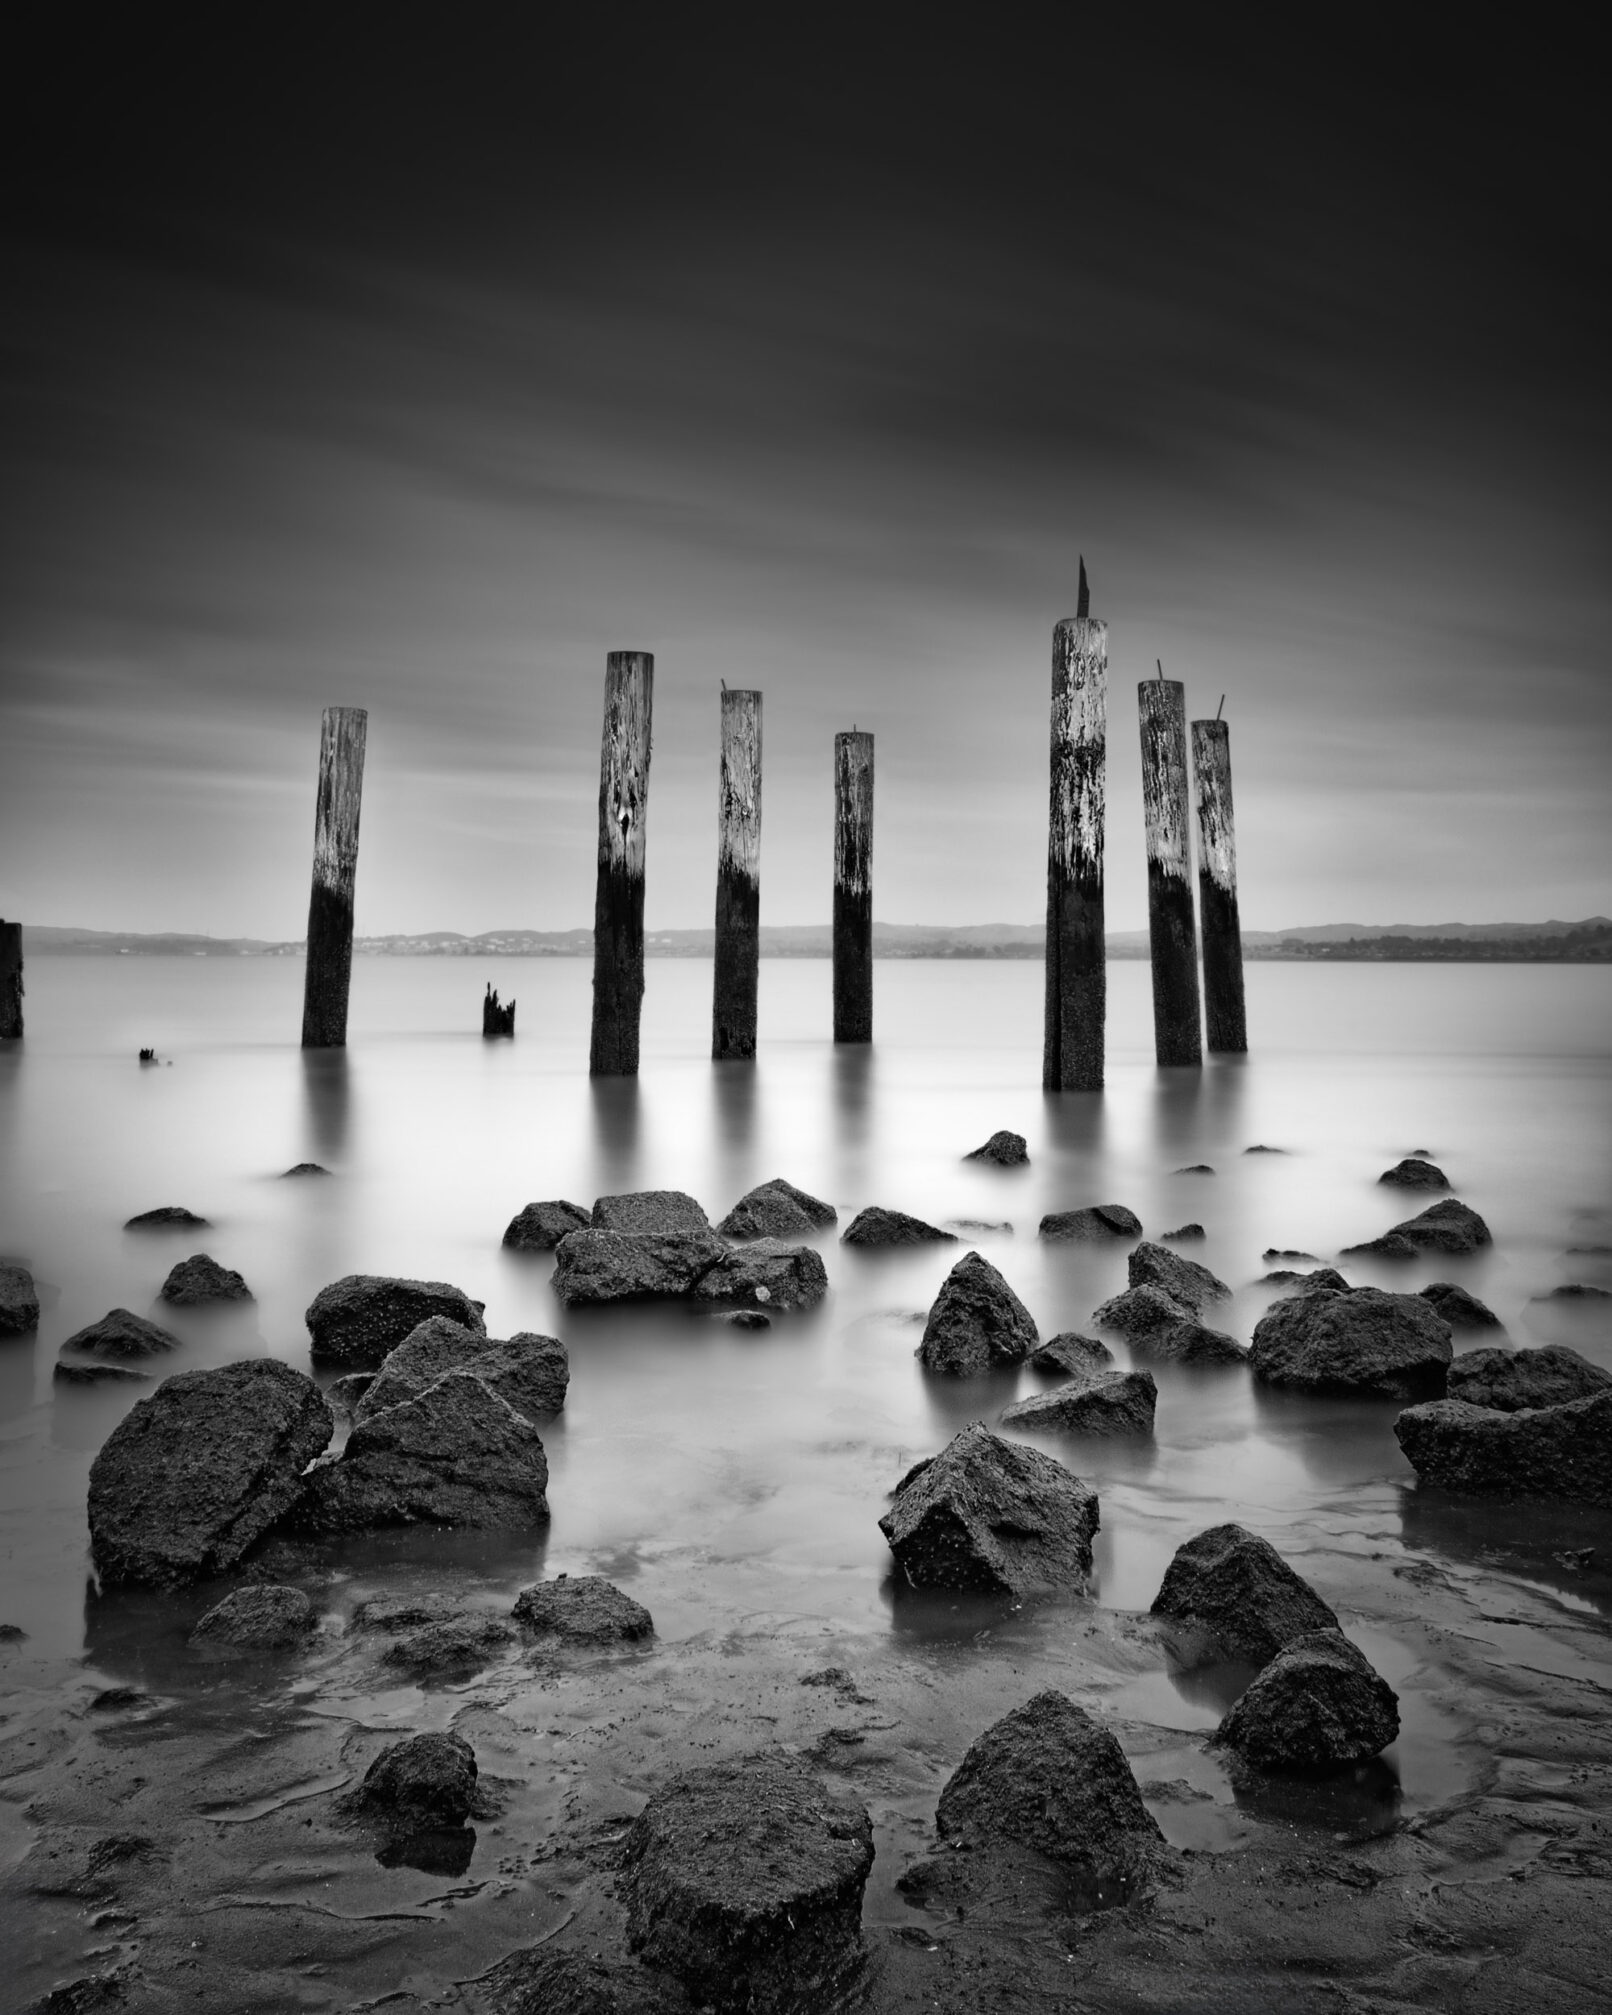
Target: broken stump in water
{"type": "Point", "coordinates": [496, 1018]}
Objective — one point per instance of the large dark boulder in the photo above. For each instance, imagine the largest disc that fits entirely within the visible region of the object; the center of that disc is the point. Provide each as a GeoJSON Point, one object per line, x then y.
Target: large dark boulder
{"type": "Point", "coordinates": [201, 1279]}
{"type": "Point", "coordinates": [435, 1347]}
{"type": "Point", "coordinates": [1414, 1173]}
{"type": "Point", "coordinates": [1072, 1356]}
{"type": "Point", "coordinates": [582, 1609]}
{"type": "Point", "coordinates": [1096, 1221]}
{"type": "Point", "coordinates": [605, 1266]}
{"type": "Point", "coordinates": [649, 1210]}
{"type": "Point", "coordinates": [121, 1334]}
{"type": "Point", "coordinates": [988, 1516]}
{"type": "Point", "coordinates": [193, 1475]}
{"type": "Point", "coordinates": [1563, 1453]}
{"type": "Point", "coordinates": [19, 1300]}
{"type": "Point", "coordinates": [260, 1618]}
{"type": "Point", "coordinates": [1446, 1226]}
{"type": "Point", "coordinates": [977, 1322]}
{"type": "Point", "coordinates": [356, 1320]}
{"type": "Point", "coordinates": [426, 1781]}
{"type": "Point", "coordinates": [1184, 1280]}
{"type": "Point", "coordinates": [1121, 1403]}
{"type": "Point", "coordinates": [1229, 1594]}
{"type": "Point", "coordinates": [1049, 1777]}
{"type": "Point", "coordinates": [744, 1880]}
{"type": "Point", "coordinates": [1361, 1341]}
{"type": "Point", "coordinates": [1459, 1309]}
{"type": "Point", "coordinates": [166, 1217]}
{"type": "Point", "coordinates": [878, 1226]}
{"type": "Point", "coordinates": [766, 1271]}
{"type": "Point", "coordinates": [1006, 1150]}
{"type": "Point", "coordinates": [541, 1226]}
{"type": "Point", "coordinates": [766, 1213]}
{"type": "Point", "coordinates": [1317, 1708]}
{"type": "Point", "coordinates": [456, 1454]}
{"type": "Point", "coordinates": [1510, 1380]}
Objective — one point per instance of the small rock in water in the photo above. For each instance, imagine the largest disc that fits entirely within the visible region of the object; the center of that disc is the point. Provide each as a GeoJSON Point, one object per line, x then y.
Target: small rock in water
{"type": "Point", "coordinates": [541, 1226]}
{"type": "Point", "coordinates": [1576, 1290]}
{"type": "Point", "coordinates": [1559, 1454]}
{"type": "Point", "coordinates": [1317, 1708]}
{"type": "Point", "coordinates": [1096, 1221]}
{"type": "Point", "coordinates": [1007, 1150]}
{"type": "Point", "coordinates": [1361, 1340]}
{"type": "Point", "coordinates": [1073, 1356]}
{"type": "Point", "coordinates": [582, 1609]}
{"type": "Point", "coordinates": [1458, 1308]}
{"type": "Point", "coordinates": [976, 1323]}
{"type": "Point", "coordinates": [304, 1168]}
{"type": "Point", "coordinates": [201, 1279]}
{"type": "Point", "coordinates": [449, 1648]}
{"type": "Point", "coordinates": [1141, 1311]}
{"type": "Point", "coordinates": [1321, 1276]}
{"type": "Point", "coordinates": [99, 1374]}
{"type": "Point", "coordinates": [1120, 1403]}
{"type": "Point", "coordinates": [393, 1613]}
{"type": "Point", "coordinates": [120, 1333]}
{"type": "Point", "coordinates": [766, 1213]}
{"type": "Point", "coordinates": [428, 1780]}
{"type": "Point", "coordinates": [1448, 1226]}
{"type": "Point", "coordinates": [261, 1618]}
{"type": "Point", "coordinates": [19, 1300]}
{"type": "Point", "coordinates": [1510, 1380]}
{"type": "Point", "coordinates": [1259, 1147]}
{"type": "Point", "coordinates": [1196, 1168]}
{"type": "Point", "coordinates": [743, 1318]}
{"type": "Point", "coordinates": [649, 1210]}
{"type": "Point", "coordinates": [1191, 1231]}
{"type": "Point", "coordinates": [1414, 1173]}
{"type": "Point", "coordinates": [975, 1227]}
{"type": "Point", "coordinates": [1284, 1252]}
{"type": "Point", "coordinates": [769, 1271]}
{"type": "Point", "coordinates": [821, 1214]}
{"type": "Point", "coordinates": [1237, 1598]}
{"type": "Point", "coordinates": [1184, 1279]}
{"type": "Point", "coordinates": [165, 1217]}
{"type": "Point", "coordinates": [356, 1320]}
{"type": "Point", "coordinates": [877, 1226]}
{"type": "Point", "coordinates": [595, 1267]}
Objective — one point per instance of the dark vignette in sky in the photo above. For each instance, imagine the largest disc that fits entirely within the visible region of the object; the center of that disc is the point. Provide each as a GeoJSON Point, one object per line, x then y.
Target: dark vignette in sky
{"type": "Point", "coordinates": [415, 364]}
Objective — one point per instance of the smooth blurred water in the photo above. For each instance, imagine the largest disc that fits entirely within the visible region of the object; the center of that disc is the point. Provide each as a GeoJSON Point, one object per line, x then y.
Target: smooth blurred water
{"type": "Point", "coordinates": [740, 1476]}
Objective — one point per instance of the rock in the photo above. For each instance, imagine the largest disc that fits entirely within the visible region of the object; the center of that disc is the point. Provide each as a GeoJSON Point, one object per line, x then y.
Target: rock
{"type": "Point", "coordinates": [120, 1333]}
{"type": "Point", "coordinates": [1389, 1246]}
{"type": "Point", "coordinates": [201, 1279]}
{"type": "Point", "coordinates": [261, 1618]}
{"type": "Point", "coordinates": [1321, 1276]}
{"type": "Point", "coordinates": [1562, 1453]}
{"type": "Point", "coordinates": [304, 1168]}
{"type": "Point", "coordinates": [1414, 1173]}
{"type": "Point", "coordinates": [1284, 1252]}
{"type": "Point", "coordinates": [766, 1213]}
{"type": "Point", "coordinates": [1510, 1380]}
{"type": "Point", "coordinates": [989, 1516]}
{"type": "Point", "coordinates": [192, 1476]}
{"type": "Point", "coordinates": [98, 1374]}
{"type": "Point", "coordinates": [1448, 1226]}
{"type": "Point", "coordinates": [1315, 1709]}
{"type": "Point", "coordinates": [1137, 1311]}
{"type": "Point", "coordinates": [1576, 1290]}
{"type": "Point", "coordinates": [426, 1781]}
{"type": "Point", "coordinates": [1189, 1283]}
{"type": "Point", "coordinates": [745, 1879]}
{"type": "Point", "coordinates": [1196, 1168]}
{"type": "Point", "coordinates": [1259, 1147]}
{"type": "Point", "coordinates": [1098, 1220]}
{"type": "Point", "coordinates": [19, 1302]}
{"type": "Point", "coordinates": [605, 1266]}
{"type": "Point", "coordinates": [743, 1318]}
{"type": "Point", "coordinates": [343, 1395]}
{"type": "Point", "coordinates": [582, 1609]}
{"type": "Point", "coordinates": [1166, 1329]}
{"type": "Point", "coordinates": [449, 1648]}
{"type": "Point", "coordinates": [975, 1226]}
{"type": "Point", "coordinates": [163, 1218]}
{"type": "Point", "coordinates": [976, 1322]}
{"type": "Point", "coordinates": [1074, 1356]}
{"type": "Point", "coordinates": [877, 1226]}
{"type": "Point", "coordinates": [434, 1347]}
{"type": "Point", "coordinates": [1236, 1597]}
{"type": "Point", "coordinates": [455, 1455]}
{"type": "Point", "coordinates": [767, 1271]}
{"type": "Point", "coordinates": [1121, 1403]}
{"type": "Point", "coordinates": [1360, 1341]}
{"type": "Point", "coordinates": [553, 1980]}
{"type": "Point", "coordinates": [1007, 1150]}
{"type": "Point", "coordinates": [1458, 1308]}
{"type": "Point", "coordinates": [356, 1320]}
{"type": "Point", "coordinates": [1049, 1777]}
{"type": "Point", "coordinates": [821, 1214]}
{"type": "Point", "coordinates": [1185, 1231]}
{"type": "Point", "coordinates": [393, 1613]}
{"type": "Point", "coordinates": [532, 1372]}
{"type": "Point", "coordinates": [541, 1226]}
{"type": "Point", "coordinates": [649, 1210]}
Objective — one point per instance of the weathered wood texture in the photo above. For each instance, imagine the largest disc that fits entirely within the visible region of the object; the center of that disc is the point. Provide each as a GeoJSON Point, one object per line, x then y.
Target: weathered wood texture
{"type": "Point", "coordinates": [335, 868]}
{"type": "Point", "coordinates": [738, 879]}
{"type": "Point", "coordinates": [1217, 889]}
{"type": "Point", "coordinates": [1076, 972]}
{"type": "Point", "coordinates": [1172, 929]}
{"type": "Point", "coordinates": [10, 979]}
{"type": "Point", "coordinates": [497, 1017]}
{"type": "Point", "coordinates": [618, 905]}
{"type": "Point", "coordinates": [853, 887]}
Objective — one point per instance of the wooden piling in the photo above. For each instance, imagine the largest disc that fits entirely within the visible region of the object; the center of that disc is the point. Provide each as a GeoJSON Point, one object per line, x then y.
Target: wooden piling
{"type": "Point", "coordinates": [335, 867]}
{"type": "Point", "coordinates": [1217, 889]}
{"type": "Point", "coordinates": [1172, 931]}
{"type": "Point", "coordinates": [618, 906]}
{"type": "Point", "coordinates": [738, 879]}
{"type": "Point", "coordinates": [497, 1017]}
{"type": "Point", "coordinates": [10, 979]}
{"type": "Point", "coordinates": [853, 887]}
{"type": "Point", "coordinates": [1076, 969]}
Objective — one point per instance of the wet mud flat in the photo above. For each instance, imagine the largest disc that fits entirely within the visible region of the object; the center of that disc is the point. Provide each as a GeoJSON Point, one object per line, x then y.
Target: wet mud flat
{"type": "Point", "coordinates": [177, 1830]}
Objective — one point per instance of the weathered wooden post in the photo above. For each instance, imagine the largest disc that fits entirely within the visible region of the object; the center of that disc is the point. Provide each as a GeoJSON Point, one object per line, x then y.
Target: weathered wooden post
{"type": "Point", "coordinates": [335, 867]}
{"type": "Point", "coordinates": [497, 1017]}
{"type": "Point", "coordinates": [1077, 974]}
{"type": "Point", "coordinates": [738, 879]}
{"type": "Point", "coordinates": [10, 979]}
{"type": "Point", "coordinates": [1217, 888]}
{"type": "Point", "coordinates": [1172, 932]}
{"type": "Point", "coordinates": [853, 887]}
{"type": "Point", "coordinates": [618, 904]}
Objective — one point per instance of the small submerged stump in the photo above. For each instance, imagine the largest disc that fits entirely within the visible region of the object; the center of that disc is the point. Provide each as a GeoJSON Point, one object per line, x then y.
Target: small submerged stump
{"type": "Point", "coordinates": [497, 1018]}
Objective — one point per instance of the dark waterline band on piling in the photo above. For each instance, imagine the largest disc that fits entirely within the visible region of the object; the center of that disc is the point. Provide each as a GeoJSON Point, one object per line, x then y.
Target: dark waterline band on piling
{"type": "Point", "coordinates": [335, 870]}
{"type": "Point", "coordinates": [10, 979]}
{"type": "Point", "coordinates": [1217, 890]}
{"type": "Point", "coordinates": [738, 879]}
{"type": "Point", "coordinates": [853, 887]}
{"type": "Point", "coordinates": [1076, 970]}
{"type": "Point", "coordinates": [618, 907]}
{"type": "Point", "coordinates": [1172, 930]}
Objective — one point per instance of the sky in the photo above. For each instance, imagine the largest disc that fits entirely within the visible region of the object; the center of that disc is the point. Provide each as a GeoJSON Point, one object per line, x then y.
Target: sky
{"type": "Point", "coordinates": [411, 364]}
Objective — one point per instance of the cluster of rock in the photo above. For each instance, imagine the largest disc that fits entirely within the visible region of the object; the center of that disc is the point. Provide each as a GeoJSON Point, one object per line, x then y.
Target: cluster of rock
{"type": "Point", "coordinates": [1161, 1312]}
{"type": "Point", "coordinates": [1517, 1423]}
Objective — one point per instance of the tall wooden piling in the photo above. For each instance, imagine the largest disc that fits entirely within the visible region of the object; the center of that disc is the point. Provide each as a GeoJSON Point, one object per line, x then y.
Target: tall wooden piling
{"type": "Point", "coordinates": [1076, 971]}
{"type": "Point", "coordinates": [335, 868]}
{"type": "Point", "coordinates": [1172, 932]}
{"type": "Point", "coordinates": [618, 904]}
{"type": "Point", "coordinates": [853, 887]}
{"type": "Point", "coordinates": [1217, 889]}
{"type": "Point", "coordinates": [738, 879]}
{"type": "Point", "coordinates": [10, 979]}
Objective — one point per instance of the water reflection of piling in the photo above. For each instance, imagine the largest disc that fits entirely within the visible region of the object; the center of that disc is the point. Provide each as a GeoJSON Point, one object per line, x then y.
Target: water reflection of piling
{"type": "Point", "coordinates": [326, 1104]}
{"type": "Point", "coordinates": [618, 908]}
{"type": "Point", "coordinates": [738, 879]}
{"type": "Point", "coordinates": [1172, 931]}
{"type": "Point", "coordinates": [10, 979]}
{"type": "Point", "coordinates": [616, 1121]}
{"type": "Point", "coordinates": [853, 887]}
{"type": "Point", "coordinates": [1217, 889]}
{"type": "Point", "coordinates": [1077, 979]}
{"type": "Point", "coordinates": [335, 869]}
